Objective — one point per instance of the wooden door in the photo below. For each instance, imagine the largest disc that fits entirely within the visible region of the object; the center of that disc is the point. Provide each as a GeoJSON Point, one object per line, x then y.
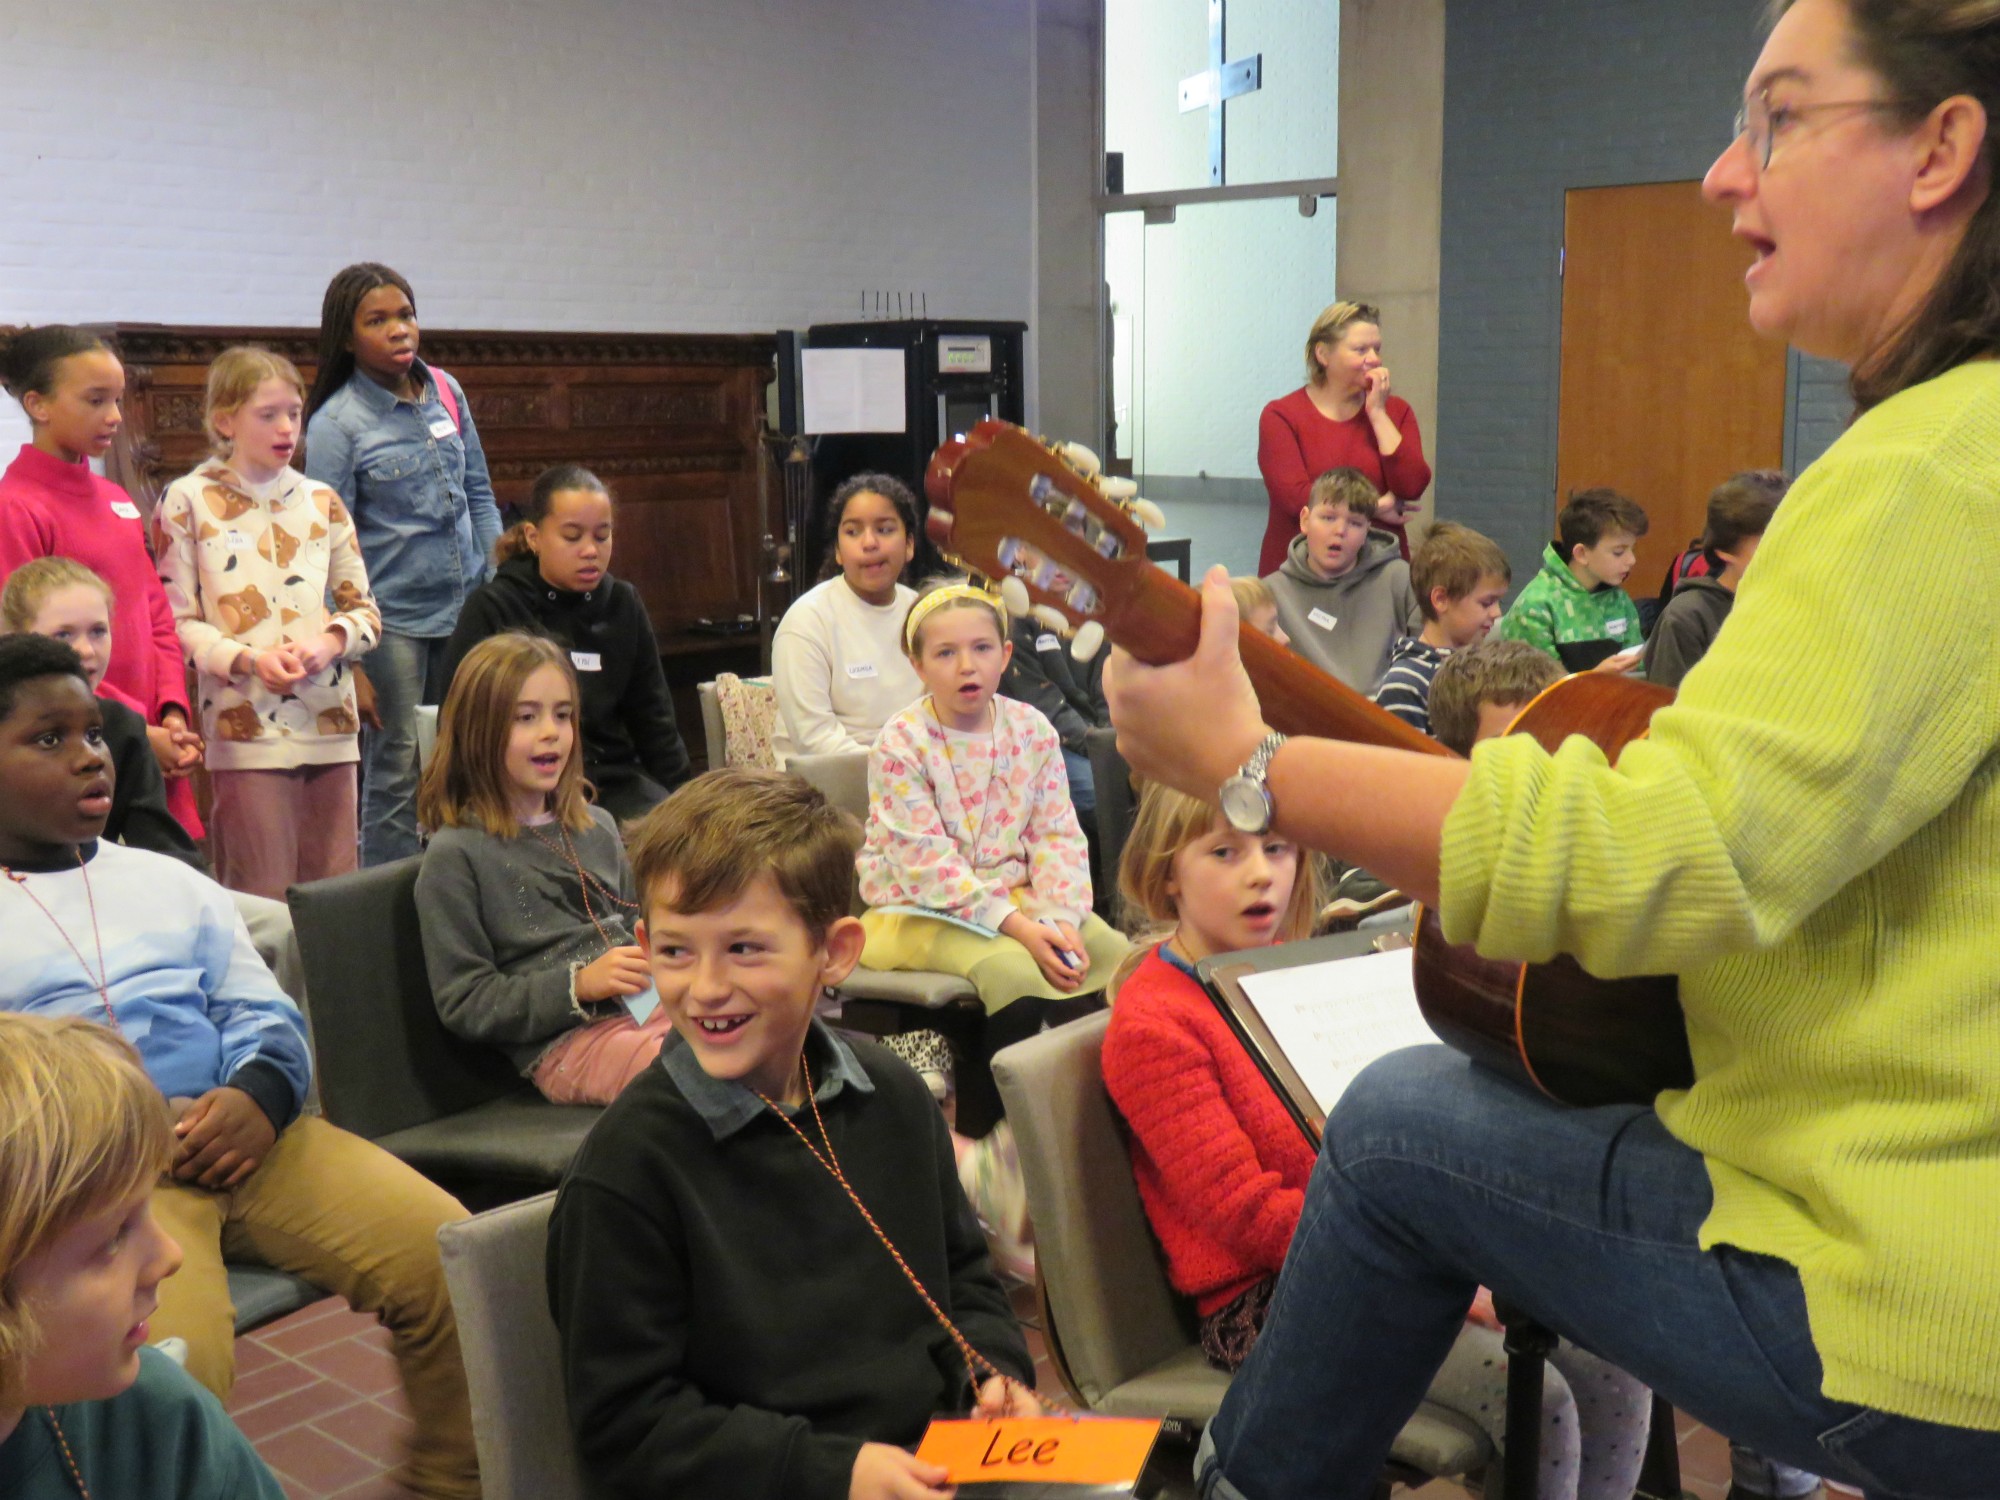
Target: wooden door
{"type": "Point", "coordinates": [1666, 391]}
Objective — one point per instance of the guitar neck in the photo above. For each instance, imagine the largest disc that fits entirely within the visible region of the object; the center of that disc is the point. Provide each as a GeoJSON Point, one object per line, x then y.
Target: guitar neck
{"type": "Point", "coordinates": [1158, 619]}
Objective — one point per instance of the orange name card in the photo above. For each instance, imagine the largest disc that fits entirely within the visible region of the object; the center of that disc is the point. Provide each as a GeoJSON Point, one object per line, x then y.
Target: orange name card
{"type": "Point", "coordinates": [1046, 1450]}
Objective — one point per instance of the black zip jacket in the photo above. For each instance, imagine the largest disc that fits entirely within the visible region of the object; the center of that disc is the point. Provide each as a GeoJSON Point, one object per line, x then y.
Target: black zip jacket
{"type": "Point", "coordinates": [628, 728]}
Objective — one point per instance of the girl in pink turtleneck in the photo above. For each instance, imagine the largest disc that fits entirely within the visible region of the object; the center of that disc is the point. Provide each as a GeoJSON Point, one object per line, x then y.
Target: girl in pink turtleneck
{"type": "Point", "coordinates": [53, 505]}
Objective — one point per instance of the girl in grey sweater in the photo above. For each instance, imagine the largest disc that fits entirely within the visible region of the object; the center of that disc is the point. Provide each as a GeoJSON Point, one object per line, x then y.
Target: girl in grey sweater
{"type": "Point", "coordinates": [525, 896]}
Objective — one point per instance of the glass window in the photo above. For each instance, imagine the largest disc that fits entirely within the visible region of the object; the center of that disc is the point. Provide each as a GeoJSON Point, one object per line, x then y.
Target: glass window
{"type": "Point", "coordinates": [1208, 322]}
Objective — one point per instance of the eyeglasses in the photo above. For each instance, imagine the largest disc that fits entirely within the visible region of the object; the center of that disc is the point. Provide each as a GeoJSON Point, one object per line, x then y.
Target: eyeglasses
{"type": "Point", "coordinates": [1761, 122]}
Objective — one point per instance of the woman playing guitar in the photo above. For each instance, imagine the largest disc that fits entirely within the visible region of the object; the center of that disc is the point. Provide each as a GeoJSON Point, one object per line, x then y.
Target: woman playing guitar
{"type": "Point", "coordinates": [1801, 1248]}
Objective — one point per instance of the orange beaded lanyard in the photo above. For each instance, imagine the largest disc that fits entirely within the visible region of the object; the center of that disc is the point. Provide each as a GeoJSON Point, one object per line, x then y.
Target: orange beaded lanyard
{"type": "Point", "coordinates": [102, 978]}
{"type": "Point", "coordinates": [975, 1362]}
{"type": "Point", "coordinates": [585, 881]}
{"type": "Point", "coordinates": [68, 1458]}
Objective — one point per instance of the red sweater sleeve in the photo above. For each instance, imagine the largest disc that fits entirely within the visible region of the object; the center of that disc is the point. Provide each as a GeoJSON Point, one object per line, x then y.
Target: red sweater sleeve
{"type": "Point", "coordinates": [24, 536]}
{"type": "Point", "coordinates": [1215, 1193]}
{"type": "Point", "coordinates": [1407, 474]}
{"type": "Point", "coordinates": [170, 685]}
{"type": "Point", "coordinates": [1288, 478]}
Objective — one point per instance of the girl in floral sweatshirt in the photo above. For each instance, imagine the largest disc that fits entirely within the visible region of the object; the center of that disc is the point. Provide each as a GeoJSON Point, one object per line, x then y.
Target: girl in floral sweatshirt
{"type": "Point", "coordinates": [974, 863]}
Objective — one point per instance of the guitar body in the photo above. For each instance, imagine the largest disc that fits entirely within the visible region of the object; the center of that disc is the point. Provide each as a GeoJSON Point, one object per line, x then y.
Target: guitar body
{"type": "Point", "coordinates": [1579, 1039]}
{"type": "Point", "coordinates": [1007, 506]}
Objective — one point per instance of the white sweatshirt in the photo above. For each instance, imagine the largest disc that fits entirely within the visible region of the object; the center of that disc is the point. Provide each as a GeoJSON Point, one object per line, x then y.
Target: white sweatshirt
{"type": "Point", "coordinates": [838, 666]}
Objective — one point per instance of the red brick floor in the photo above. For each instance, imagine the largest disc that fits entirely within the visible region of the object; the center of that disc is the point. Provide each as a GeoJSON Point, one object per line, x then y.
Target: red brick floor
{"type": "Point", "coordinates": [317, 1395]}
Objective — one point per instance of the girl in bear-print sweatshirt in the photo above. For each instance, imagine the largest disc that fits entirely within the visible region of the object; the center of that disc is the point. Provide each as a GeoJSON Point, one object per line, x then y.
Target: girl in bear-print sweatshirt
{"type": "Point", "coordinates": [251, 552]}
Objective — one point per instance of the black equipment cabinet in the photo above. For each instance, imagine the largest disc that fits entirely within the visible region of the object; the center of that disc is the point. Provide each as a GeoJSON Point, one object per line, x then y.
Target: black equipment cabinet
{"type": "Point", "coordinates": [956, 373]}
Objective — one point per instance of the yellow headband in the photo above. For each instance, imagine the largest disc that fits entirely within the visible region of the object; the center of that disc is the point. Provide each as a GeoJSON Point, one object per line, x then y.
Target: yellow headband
{"type": "Point", "coordinates": [951, 593]}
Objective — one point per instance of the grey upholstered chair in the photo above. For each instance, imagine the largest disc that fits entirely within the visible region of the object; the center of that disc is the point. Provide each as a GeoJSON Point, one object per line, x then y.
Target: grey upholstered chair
{"type": "Point", "coordinates": [714, 736]}
{"type": "Point", "coordinates": [389, 1071]}
{"type": "Point", "coordinates": [843, 781]}
{"type": "Point", "coordinates": [494, 1265]}
{"type": "Point", "coordinates": [1123, 1342]}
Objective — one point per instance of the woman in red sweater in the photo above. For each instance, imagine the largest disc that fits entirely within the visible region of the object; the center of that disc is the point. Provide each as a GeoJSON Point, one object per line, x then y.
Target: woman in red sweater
{"type": "Point", "coordinates": [1343, 417]}
{"type": "Point", "coordinates": [53, 505]}
{"type": "Point", "coordinates": [1222, 1167]}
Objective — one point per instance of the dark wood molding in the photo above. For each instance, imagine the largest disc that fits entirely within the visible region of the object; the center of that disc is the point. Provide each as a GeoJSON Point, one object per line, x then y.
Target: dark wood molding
{"type": "Point", "coordinates": [672, 421]}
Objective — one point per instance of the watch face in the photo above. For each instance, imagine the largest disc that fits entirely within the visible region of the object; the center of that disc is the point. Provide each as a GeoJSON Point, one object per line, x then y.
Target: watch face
{"type": "Point", "coordinates": [1246, 804]}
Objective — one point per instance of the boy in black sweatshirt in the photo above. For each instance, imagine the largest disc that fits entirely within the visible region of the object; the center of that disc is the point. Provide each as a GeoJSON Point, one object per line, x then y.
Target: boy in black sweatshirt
{"type": "Point", "coordinates": [731, 1326]}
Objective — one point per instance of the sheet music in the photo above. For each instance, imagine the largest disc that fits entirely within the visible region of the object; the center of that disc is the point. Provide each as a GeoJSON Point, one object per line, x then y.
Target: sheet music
{"type": "Point", "coordinates": [852, 390]}
{"type": "Point", "coordinates": [1333, 1019]}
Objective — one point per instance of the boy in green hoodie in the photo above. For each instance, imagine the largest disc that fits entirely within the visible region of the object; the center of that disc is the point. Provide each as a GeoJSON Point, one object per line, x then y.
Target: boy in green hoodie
{"type": "Point", "coordinates": [1575, 609]}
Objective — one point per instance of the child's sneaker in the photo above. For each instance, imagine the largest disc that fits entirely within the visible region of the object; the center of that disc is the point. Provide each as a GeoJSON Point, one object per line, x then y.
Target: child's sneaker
{"type": "Point", "coordinates": [989, 1170]}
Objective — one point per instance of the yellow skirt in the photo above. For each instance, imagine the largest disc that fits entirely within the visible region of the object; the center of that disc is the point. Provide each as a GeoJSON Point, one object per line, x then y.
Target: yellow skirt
{"type": "Point", "coordinates": [999, 968]}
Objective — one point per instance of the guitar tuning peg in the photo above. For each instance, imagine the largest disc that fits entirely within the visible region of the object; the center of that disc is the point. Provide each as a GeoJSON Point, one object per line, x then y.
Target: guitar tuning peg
{"type": "Point", "coordinates": [1089, 641]}
{"type": "Point", "coordinates": [1117, 488]}
{"type": "Point", "coordinates": [1054, 618]}
{"type": "Point", "coordinates": [1014, 594]}
{"type": "Point", "coordinates": [1082, 459]}
{"type": "Point", "coordinates": [1148, 514]}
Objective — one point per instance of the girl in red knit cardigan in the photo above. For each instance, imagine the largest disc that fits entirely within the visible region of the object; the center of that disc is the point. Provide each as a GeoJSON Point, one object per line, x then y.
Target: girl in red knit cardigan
{"type": "Point", "coordinates": [1222, 1167]}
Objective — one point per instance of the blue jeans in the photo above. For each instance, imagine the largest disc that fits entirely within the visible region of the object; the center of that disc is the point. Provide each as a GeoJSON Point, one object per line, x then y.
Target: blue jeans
{"type": "Point", "coordinates": [1437, 1175]}
{"type": "Point", "coordinates": [406, 670]}
{"type": "Point", "coordinates": [1082, 784]}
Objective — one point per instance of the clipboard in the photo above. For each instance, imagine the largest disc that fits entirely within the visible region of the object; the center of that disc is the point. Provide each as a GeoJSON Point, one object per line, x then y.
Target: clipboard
{"type": "Point", "coordinates": [1222, 976]}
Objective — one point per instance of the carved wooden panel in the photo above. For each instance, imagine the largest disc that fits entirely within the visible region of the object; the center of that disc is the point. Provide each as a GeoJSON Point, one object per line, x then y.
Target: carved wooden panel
{"type": "Point", "coordinates": [671, 422]}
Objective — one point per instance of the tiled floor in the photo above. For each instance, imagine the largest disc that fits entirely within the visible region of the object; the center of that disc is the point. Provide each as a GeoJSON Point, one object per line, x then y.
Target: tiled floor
{"type": "Point", "coordinates": [317, 1395]}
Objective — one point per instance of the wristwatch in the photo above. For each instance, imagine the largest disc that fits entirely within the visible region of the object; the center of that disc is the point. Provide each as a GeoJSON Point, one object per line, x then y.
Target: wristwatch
{"type": "Point", "coordinates": [1245, 798]}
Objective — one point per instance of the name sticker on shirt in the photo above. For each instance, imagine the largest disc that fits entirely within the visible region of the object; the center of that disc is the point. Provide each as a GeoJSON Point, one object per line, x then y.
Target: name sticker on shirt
{"type": "Point", "coordinates": [1615, 627]}
{"type": "Point", "coordinates": [1047, 643]}
{"type": "Point", "coordinates": [1322, 619]}
{"type": "Point", "coordinates": [861, 671]}
{"type": "Point", "coordinates": [125, 510]}
{"type": "Point", "coordinates": [441, 427]}
{"type": "Point", "coordinates": [587, 661]}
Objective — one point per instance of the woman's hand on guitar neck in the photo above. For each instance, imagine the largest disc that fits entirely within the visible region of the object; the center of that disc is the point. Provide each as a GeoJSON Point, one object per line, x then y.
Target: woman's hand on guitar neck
{"type": "Point", "coordinates": [1194, 723]}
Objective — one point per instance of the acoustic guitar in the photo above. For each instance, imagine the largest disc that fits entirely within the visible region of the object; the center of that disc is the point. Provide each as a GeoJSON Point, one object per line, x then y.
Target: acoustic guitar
{"type": "Point", "coordinates": [1005, 505]}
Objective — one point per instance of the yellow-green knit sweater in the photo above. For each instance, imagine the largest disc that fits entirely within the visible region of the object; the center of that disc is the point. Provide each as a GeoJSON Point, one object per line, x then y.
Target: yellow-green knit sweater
{"type": "Point", "coordinates": [1810, 838]}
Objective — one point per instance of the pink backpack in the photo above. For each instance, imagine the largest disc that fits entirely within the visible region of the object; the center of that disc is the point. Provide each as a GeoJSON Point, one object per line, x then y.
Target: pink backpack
{"type": "Point", "coordinates": [447, 398]}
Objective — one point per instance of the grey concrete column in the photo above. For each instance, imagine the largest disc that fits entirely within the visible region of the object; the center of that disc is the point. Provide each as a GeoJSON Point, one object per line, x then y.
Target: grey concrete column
{"type": "Point", "coordinates": [1391, 187]}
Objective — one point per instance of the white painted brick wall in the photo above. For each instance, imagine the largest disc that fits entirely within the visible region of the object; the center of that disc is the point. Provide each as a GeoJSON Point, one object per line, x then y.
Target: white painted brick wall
{"type": "Point", "coordinates": [677, 165]}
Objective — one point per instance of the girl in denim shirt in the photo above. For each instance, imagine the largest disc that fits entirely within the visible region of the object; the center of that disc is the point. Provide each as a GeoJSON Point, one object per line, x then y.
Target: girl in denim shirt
{"type": "Point", "coordinates": [395, 438]}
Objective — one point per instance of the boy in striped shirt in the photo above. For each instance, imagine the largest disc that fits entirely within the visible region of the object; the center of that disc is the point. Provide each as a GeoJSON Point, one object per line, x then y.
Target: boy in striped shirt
{"type": "Point", "coordinates": [1459, 577]}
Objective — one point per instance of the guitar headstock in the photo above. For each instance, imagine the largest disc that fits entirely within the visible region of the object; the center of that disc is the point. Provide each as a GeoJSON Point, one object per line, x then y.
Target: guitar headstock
{"type": "Point", "coordinates": [1005, 505]}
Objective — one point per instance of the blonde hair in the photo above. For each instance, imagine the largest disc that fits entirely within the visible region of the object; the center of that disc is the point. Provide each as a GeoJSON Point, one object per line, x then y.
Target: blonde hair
{"type": "Point", "coordinates": [465, 784]}
{"type": "Point", "coordinates": [1166, 822]}
{"type": "Point", "coordinates": [1454, 558]}
{"type": "Point", "coordinates": [82, 1128]}
{"type": "Point", "coordinates": [30, 585]}
{"type": "Point", "coordinates": [1331, 326]}
{"type": "Point", "coordinates": [718, 833]}
{"type": "Point", "coordinates": [233, 379]}
{"type": "Point", "coordinates": [1252, 593]}
{"type": "Point", "coordinates": [940, 594]}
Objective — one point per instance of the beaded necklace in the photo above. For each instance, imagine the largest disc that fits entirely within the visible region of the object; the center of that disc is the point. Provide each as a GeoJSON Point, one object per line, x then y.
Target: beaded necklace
{"type": "Point", "coordinates": [68, 1458]}
{"type": "Point", "coordinates": [102, 978]}
{"type": "Point", "coordinates": [585, 881]}
{"type": "Point", "coordinates": [975, 1362]}
{"type": "Point", "coordinates": [971, 830]}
